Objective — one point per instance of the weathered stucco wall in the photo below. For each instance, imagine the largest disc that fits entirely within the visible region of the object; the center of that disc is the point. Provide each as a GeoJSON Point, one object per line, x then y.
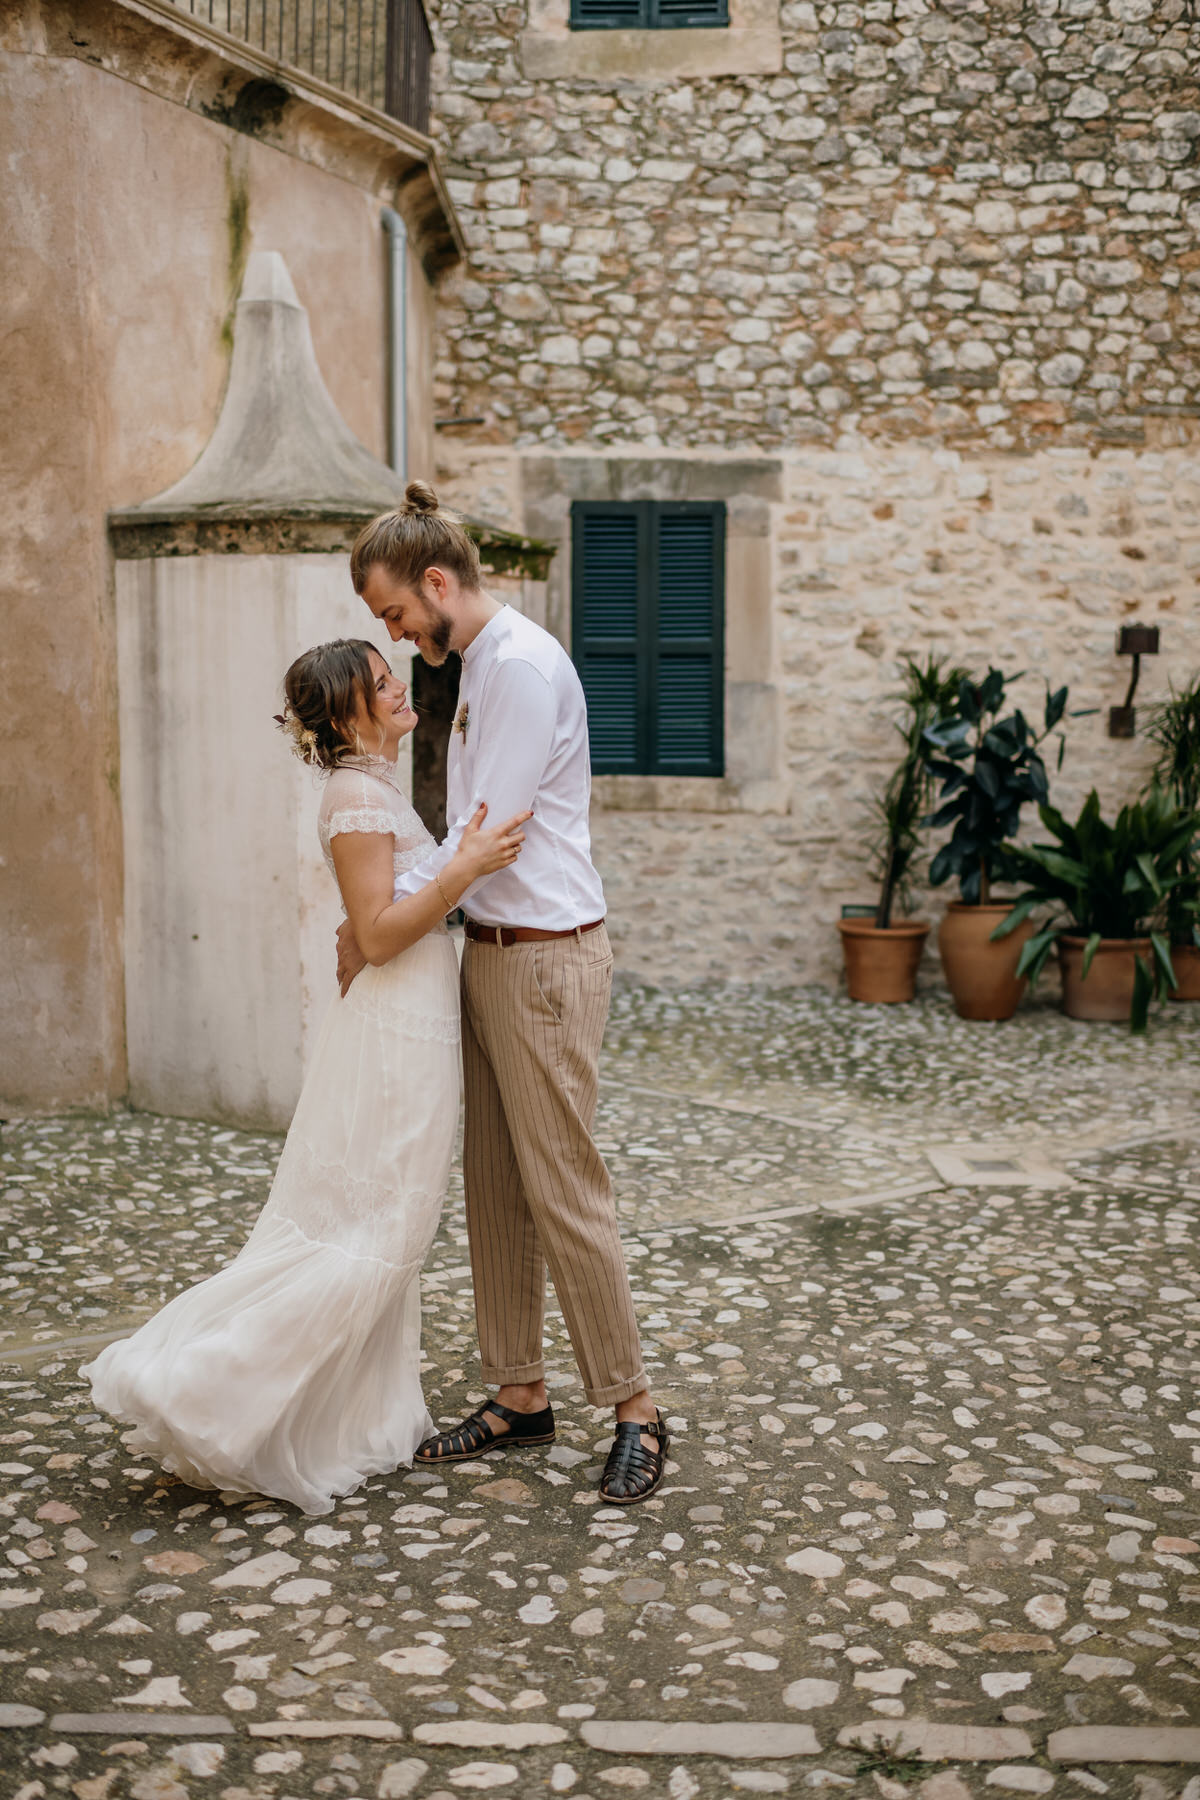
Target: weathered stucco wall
{"type": "Point", "coordinates": [1030, 562]}
{"type": "Point", "coordinates": [127, 216]}
{"type": "Point", "coordinates": [230, 910]}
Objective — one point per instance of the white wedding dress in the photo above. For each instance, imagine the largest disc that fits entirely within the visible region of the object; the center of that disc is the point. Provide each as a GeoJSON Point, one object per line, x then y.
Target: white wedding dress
{"type": "Point", "coordinates": [295, 1370]}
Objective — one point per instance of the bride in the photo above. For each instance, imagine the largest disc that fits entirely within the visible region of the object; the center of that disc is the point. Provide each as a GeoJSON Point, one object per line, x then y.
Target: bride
{"type": "Point", "coordinates": [295, 1370]}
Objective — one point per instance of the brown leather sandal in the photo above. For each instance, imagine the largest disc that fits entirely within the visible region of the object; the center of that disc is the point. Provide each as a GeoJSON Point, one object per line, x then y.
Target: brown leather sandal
{"type": "Point", "coordinates": [475, 1434]}
{"type": "Point", "coordinates": [632, 1472]}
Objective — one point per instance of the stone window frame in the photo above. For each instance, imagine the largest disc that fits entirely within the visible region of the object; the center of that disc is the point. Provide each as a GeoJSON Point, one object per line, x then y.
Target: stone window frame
{"type": "Point", "coordinates": [750, 487]}
{"type": "Point", "coordinates": [751, 44]}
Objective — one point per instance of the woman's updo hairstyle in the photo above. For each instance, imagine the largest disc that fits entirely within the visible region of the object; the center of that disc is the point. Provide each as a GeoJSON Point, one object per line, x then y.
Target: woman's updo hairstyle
{"type": "Point", "coordinates": [411, 539]}
{"type": "Point", "coordinates": [322, 690]}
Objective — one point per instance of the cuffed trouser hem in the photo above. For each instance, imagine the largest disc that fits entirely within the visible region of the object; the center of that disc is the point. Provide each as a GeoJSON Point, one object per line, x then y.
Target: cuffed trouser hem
{"type": "Point", "coordinates": [616, 1391]}
{"type": "Point", "coordinates": [520, 1376]}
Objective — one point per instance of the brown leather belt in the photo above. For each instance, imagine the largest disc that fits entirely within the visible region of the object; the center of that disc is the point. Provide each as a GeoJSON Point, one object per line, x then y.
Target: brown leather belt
{"type": "Point", "coordinates": [521, 934]}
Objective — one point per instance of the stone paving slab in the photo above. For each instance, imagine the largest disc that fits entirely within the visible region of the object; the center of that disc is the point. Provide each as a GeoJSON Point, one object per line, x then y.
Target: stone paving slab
{"type": "Point", "coordinates": [734, 1741]}
{"type": "Point", "coordinates": [1125, 1744]}
{"type": "Point", "coordinates": [487, 1734]}
{"type": "Point", "coordinates": [126, 1725]}
{"type": "Point", "coordinates": [385, 1729]}
{"type": "Point", "coordinates": [936, 1458]}
{"type": "Point", "coordinates": [934, 1742]}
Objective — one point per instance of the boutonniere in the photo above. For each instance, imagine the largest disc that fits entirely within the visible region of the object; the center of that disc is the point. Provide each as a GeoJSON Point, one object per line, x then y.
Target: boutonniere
{"type": "Point", "coordinates": [463, 720]}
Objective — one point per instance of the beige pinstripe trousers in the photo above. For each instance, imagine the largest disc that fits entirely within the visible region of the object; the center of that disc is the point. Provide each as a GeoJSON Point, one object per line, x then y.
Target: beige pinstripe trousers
{"type": "Point", "coordinates": [537, 1189]}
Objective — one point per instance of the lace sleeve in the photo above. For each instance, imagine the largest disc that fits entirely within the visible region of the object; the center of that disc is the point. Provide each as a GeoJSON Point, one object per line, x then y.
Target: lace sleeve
{"type": "Point", "coordinates": [353, 802]}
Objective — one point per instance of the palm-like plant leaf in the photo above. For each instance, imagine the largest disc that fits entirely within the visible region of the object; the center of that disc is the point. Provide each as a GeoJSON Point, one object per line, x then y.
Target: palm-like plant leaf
{"type": "Point", "coordinates": [928, 689]}
{"type": "Point", "coordinates": [1106, 881]}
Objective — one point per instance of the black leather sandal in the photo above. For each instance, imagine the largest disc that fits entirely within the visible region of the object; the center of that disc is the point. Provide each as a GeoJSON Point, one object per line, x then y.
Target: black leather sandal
{"type": "Point", "coordinates": [632, 1472]}
{"type": "Point", "coordinates": [475, 1434]}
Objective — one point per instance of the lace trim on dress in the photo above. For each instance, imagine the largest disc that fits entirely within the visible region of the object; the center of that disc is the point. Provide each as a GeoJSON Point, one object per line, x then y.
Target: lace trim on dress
{"type": "Point", "coordinates": [379, 767]}
{"type": "Point", "coordinates": [409, 859]}
{"type": "Point", "coordinates": [339, 1209]}
{"type": "Point", "coordinates": [377, 1002]}
{"type": "Point", "coordinates": [360, 818]}
{"type": "Point", "coordinates": [351, 1255]}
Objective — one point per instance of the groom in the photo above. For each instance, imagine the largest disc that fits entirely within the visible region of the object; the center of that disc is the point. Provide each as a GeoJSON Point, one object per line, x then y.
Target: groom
{"type": "Point", "coordinates": [536, 979]}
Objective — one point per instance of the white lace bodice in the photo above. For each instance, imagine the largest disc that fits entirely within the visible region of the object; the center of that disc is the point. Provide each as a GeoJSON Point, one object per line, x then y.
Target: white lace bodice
{"type": "Point", "coordinates": [366, 796]}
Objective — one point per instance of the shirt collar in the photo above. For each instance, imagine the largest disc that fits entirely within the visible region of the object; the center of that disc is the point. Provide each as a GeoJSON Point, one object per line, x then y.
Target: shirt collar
{"type": "Point", "coordinates": [478, 642]}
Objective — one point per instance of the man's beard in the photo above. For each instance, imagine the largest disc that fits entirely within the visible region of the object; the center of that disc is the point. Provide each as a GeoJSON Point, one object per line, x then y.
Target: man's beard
{"type": "Point", "coordinates": [435, 639]}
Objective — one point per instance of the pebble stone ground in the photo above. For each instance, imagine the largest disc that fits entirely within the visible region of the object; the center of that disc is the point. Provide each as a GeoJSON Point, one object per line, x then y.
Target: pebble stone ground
{"type": "Point", "coordinates": [922, 1301]}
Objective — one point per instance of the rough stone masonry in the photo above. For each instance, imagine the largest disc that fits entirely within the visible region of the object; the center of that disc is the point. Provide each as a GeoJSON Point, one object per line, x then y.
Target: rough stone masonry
{"type": "Point", "coordinates": [937, 265]}
{"type": "Point", "coordinates": [976, 218]}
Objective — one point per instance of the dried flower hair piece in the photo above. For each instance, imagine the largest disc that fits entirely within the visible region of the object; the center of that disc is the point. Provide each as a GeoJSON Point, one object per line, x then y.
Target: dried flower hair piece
{"type": "Point", "coordinates": [304, 739]}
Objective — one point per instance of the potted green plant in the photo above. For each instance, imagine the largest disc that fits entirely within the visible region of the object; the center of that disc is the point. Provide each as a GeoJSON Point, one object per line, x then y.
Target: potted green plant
{"type": "Point", "coordinates": [881, 952]}
{"type": "Point", "coordinates": [1108, 888]}
{"type": "Point", "coordinates": [989, 767]}
{"type": "Point", "coordinates": [1173, 725]}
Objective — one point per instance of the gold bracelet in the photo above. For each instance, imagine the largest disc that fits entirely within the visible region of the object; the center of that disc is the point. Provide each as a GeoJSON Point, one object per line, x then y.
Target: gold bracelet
{"type": "Point", "coordinates": [450, 904]}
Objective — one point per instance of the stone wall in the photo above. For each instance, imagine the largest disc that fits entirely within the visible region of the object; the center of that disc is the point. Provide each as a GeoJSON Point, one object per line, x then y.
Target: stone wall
{"type": "Point", "coordinates": [1028, 562]}
{"type": "Point", "coordinates": [975, 219]}
{"type": "Point", "coordinates": [931, 270]}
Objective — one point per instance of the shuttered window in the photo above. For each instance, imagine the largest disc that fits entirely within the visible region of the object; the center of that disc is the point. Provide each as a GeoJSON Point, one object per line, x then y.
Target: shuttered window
{"type": "Point", "coordinates": [646, 15]}
{"type": "Point", "coordinates": [648, 634]}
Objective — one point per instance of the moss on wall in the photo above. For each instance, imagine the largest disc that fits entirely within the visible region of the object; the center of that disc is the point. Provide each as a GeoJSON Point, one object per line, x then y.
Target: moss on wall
{"type": "Point", "coordinates": [237, 234]}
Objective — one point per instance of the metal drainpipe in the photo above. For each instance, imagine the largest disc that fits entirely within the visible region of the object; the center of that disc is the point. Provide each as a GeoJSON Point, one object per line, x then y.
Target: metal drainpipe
{"type": "Point", "coordinates": [397, 233]}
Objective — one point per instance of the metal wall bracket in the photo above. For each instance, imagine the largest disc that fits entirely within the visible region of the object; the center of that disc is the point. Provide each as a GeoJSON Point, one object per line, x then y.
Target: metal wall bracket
{"type": "Point", "coordinates": [1136, 641]}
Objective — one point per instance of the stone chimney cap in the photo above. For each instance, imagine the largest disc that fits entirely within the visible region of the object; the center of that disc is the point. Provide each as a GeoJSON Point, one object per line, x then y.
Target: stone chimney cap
{"type": "Point", "coordinates": [280, 448]}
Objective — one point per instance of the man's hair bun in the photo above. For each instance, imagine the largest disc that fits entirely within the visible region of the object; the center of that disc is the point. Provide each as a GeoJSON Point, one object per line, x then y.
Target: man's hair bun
{"type": "Point", "coordinates": [419, 497]}
{"type": "Point", "coordinates": [411, 539]}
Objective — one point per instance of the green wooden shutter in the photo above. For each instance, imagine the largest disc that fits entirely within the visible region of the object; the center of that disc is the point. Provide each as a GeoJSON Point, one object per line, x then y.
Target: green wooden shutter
{"type": "Point", "coordinates": [607, 15]}
{"type": "Point", "coordinates": [674, 14]}
{"type": "Point", "coordinates": [608, 557]}
{"type": "Point", "coordinates": [688, 694]}
{"type": "Point", "coordinates": [647, 15]}
{"type": "Point", "coordinates": [648, 634]}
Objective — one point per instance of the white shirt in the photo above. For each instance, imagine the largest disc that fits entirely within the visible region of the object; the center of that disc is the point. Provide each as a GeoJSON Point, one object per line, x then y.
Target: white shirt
{"type": "Point", "coordinates": [525, 743]}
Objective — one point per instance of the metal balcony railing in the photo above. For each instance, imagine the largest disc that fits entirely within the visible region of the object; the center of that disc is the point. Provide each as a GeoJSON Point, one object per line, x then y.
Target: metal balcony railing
{"type": "Point", "coordinates": [380, 51]}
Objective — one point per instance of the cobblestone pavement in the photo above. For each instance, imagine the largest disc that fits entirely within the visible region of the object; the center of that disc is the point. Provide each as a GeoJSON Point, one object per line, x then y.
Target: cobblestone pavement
{"type": "Point", "coordinates": [922, 1300]}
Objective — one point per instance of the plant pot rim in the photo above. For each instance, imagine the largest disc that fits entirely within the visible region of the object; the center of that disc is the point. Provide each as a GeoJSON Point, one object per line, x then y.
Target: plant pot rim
{"type": "Point", "coordinates": [867, 927]}
{"type": "Point", "coordinates": [981, 906]}
{"type": "Point", "coordinates": [1080, 937]}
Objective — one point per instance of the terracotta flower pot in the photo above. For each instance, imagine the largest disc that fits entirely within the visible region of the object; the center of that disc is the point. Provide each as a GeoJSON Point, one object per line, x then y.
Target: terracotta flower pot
{"type": "Point", "coordinates": [881, 966]}
{"type": "Point", "coordinates": [1107, 992]}
{"type": "Point", "coordinates": [1185, 960]}
{"type": "Point", "coordinates": [982, 976]}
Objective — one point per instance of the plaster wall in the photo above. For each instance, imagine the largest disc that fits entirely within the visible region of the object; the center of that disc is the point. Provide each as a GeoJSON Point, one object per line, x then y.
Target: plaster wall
{"type": "Point", "coordinates": [127, 219]}
{"type": "Point", "coordinates": [229, 909]}
{"type": "Point", "coordinates": [867, 552]}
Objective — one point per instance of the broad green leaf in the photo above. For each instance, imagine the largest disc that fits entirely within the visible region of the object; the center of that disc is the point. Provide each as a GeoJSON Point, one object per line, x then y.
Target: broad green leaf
{"type": "Point", "coordinates": [1033, 954]}
{"type": "Point", "coordinates": [1146, 865]}
{"type": "Point", "coordinates": [942, 866]}
{"type": "Point", "coordinates": [1162, 954]}
{"type": "Point", "coordinates": [1089, 951]}
{"type": "Point", "coordinates": [988, 776]}
{"type": "Point", "coordinates": [1016, 917]}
